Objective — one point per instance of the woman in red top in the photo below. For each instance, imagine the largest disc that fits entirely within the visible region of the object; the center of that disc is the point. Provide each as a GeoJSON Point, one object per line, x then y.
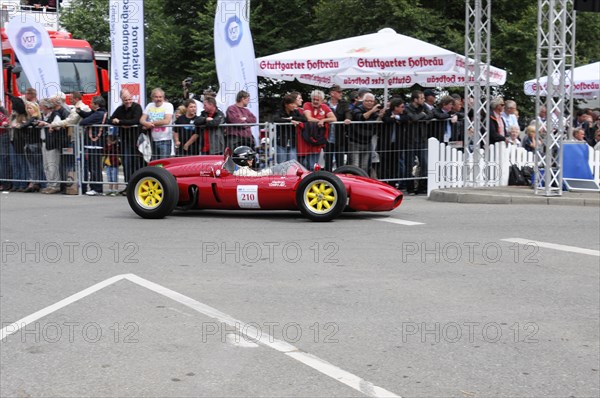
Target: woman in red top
{"type": "Point", "coordinates": [317, 112]}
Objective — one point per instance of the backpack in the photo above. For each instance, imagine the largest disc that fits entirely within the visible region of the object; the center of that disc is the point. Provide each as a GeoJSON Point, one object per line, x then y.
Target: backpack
{"type": "Point", "coordinates": [515, 176]}
{"type": "Point", "coordinates": [528, 174]}
{"type": "Point", "coordinates": [313, 134]}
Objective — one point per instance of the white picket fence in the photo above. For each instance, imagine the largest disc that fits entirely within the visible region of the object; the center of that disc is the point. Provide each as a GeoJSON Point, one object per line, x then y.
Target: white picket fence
{"type": "Point", "coordinates": [594, 160]}
{"type": "Point", "coordinates": [447, 167]}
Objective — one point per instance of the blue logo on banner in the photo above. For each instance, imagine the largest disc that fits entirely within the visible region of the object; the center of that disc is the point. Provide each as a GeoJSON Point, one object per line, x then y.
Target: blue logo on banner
{"type": "Point", "coordinates": [29, 39]}
{"type": "Point", "coordinates": [233, 31]}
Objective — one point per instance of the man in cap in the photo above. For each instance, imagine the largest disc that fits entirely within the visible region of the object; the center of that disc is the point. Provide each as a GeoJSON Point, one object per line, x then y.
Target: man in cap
{"type": "Point", "coordinates": [62, 98]}
{"type": "Point", "coordinates": [52, 143]}
{"type": "Point", "coordinates": [73, 117]}
{"type": "Point", "coordinates": [360, 95]}
{"type": "Point", "coordinates": [67, 121]}
{"type": "Point", "coordinates": [430, 99]}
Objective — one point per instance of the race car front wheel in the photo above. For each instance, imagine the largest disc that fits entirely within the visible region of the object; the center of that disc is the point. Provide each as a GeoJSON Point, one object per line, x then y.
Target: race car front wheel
{"type": "Point", "coordinates": [321, 196]}
{"type": "Point", "coordinates": [152, 192]}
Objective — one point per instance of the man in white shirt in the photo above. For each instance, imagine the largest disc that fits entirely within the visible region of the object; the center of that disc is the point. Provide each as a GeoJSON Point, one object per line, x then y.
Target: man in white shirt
{"type": "Point", "coordinates": [157, 118]}
{"type": "Point", "coordinates": [509, 116]}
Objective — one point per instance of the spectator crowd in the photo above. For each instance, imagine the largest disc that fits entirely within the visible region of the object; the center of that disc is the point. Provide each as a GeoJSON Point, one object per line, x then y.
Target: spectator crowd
{"type": "Point", "coordinates": [385, 140]}
{"type": "Point", "coordinates": [40, 5]}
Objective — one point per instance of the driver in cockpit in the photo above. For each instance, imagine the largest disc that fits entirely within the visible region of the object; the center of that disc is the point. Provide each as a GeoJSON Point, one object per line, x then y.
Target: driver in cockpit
{"type": "Point", "coordinates": [243, 157]}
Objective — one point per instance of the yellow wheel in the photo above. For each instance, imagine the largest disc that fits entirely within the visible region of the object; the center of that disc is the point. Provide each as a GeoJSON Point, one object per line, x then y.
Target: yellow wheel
{"type": "Point", "coordinates": [321, 196]}
{"type": "Point", "coordinates": [149, 193]}
{"type": "Point", "coordinates": [152, 192]}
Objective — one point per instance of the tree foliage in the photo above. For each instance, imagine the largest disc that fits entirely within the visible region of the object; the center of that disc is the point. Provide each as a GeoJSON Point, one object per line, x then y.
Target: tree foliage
{"type": "Point", "coordinates": [179, 34]}
{"type": "Point", "coordinates": [88, 19]}
{"type": "Point", "coordinates": [203, 68]}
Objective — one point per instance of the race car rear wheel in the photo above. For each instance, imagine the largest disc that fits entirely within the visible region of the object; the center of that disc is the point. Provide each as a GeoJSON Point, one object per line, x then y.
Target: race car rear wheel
{"type": "Point", "coordinates": [152, 192]}
{"type": "Point", "coordinates": [321, 196]}
{"type": "Point", "coordinates": [352, 170]}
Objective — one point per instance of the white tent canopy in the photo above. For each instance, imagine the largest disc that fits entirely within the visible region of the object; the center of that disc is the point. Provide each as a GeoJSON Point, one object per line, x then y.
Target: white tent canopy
{"type": "Point", "coordinates": [586, 82]}
{"type": "Point", "coordinates": [384, 59]}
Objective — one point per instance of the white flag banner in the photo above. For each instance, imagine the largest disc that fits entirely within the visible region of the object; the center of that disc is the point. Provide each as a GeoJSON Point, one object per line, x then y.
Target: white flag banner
{"type": "Point", "coordinates": [33, 47]}
{"type": "Point", "coordinates": [127, 69]}
{"type": "Point", "coordinates": [234, 55]}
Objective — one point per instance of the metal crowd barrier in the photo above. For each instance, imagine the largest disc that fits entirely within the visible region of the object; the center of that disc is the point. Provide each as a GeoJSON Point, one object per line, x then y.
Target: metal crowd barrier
{"type": "Point", "coordinates": [78, 159]}
{"type": "Point", "coordinates": [394, 153]}
{"type": "Point", "coordinates": [36, 158]}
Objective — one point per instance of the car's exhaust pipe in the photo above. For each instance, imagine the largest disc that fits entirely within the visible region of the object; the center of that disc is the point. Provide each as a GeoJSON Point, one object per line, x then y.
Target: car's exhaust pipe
{"type": "Point", "coordinates": [193, 193]}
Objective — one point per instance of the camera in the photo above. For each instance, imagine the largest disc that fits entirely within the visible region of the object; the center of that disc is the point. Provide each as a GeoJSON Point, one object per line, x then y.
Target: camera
{"type": "Point", "coordinates": [188, 81]}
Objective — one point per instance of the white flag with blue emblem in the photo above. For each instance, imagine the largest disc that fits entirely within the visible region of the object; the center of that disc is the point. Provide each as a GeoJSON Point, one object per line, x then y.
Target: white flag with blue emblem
{"type": "Point", "coordinates": [35, 52]}
{"type": "Point", "coordinates": [234, 55]}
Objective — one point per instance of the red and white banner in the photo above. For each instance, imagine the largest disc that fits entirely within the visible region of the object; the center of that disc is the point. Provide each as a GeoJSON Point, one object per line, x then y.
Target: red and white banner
{"type": "Point", "coordinates": [127, 70]}
{"type": "Point", "coordinates": [586, 82]}
{"type": "Point", "coordinates": [437, 79]}
{"type": "Point", "coordinates": [331, 66]}
{"type": "Point", "coordinates": [380, 60]}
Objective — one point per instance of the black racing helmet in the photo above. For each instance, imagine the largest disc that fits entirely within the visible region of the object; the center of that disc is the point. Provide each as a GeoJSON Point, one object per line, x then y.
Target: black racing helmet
{"type": "Point", "coordinates": [242, 154]}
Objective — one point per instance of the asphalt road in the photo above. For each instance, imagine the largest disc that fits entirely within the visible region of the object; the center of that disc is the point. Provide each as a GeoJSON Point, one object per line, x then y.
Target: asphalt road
{"type": "Point", "coordinates": [211, 303]}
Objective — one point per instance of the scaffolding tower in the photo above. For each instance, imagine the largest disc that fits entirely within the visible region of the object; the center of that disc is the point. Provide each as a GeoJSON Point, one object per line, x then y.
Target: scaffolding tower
{"type": "Point", "coordinates": [555, 59]}
{"type": "Point", "coordinates": [477, 87]}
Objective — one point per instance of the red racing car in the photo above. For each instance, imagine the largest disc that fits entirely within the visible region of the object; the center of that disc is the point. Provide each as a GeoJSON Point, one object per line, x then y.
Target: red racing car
{"type": "Point", "coordinates": [210, 182]}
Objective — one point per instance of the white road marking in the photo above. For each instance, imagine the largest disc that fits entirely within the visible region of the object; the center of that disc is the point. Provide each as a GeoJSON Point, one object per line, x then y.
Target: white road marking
{"type": "Point", "coordinates": [236, 340]}
{"type": "Point", "coordinates": [16, 326]}
{"type": "Point", "coordinates": [249, 331]}
{"type": "Point", "coordinates": [564, 248]}
{"type": "Point", "coordinates": [340, 375]}
{"type": "Point", "coordinates": [399, 221]}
